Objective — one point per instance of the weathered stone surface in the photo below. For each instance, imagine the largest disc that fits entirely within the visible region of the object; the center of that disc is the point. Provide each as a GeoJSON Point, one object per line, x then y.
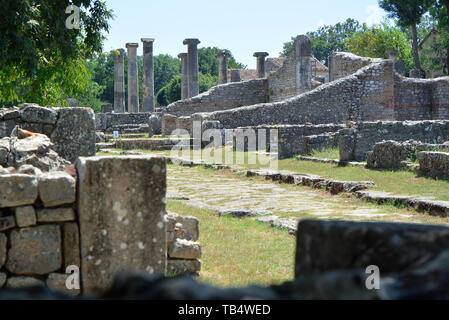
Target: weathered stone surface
{"type": "Point", "coordinates": [7, 223]}
{"type": "Point", "coordinates": [99, 137]}
{"type": "Point", "coordinates": [121, 209]}
{"type": "Point", "coordinates": [3, 242]}
{"type": "Point", "coordinates": [155, 124]}
{"type": "Point", "coordinates": [17, 190]}
{"type": "Point", "coordinates": [184, 249]}
{"type": "Point", "coordinates": [387, 154]}
{"type": "Point", "coordinates": [56, 188]}
{"type": "Point", "coordinates": [23, 282]}
{"type": "Point", "coordinates": [183, 266]}
{"type": "Point", "coordinates": [434, 164]}
{"type": "Point", "coordinates": [34, 113]}
{"type": "Point", "coordinates": [331, 245]}
{"type": "Point", "coordinates": [35, 250]}
{"type": "Point", "coordinates": [2, 279]}
{"type": "Point", "coordinates": [4, 150]}
{"type": "Point", "coordinates": [55, 215]}
{"type": "Point", "coordinates": [57, 282]}
{"type": "Point", "coordinates": [25, 216]}
{"type": "Point", "coordinates": [182, 227]}
{"type": "Point", "coordinates": [74, 134]}
{"type": "Point", "coordinates": [29, 169]}
{"type": "Point", "coordinates": [71, 245]}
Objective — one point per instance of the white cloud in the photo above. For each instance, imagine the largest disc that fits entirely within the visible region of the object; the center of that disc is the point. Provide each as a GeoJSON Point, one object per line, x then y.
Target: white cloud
{"type": "Point", "coordinates": [375, 15]}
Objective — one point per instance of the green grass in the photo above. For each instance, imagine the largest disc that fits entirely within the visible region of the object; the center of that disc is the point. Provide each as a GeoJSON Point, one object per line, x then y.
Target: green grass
{"type": "Point", "coordinates": [332, 153]}
{"type": "Point", "coordinates": [240, 252]}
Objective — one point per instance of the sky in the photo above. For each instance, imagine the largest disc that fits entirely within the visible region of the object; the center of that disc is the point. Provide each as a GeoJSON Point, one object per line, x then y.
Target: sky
{"type": "Point", "coordinates": [242, 26]}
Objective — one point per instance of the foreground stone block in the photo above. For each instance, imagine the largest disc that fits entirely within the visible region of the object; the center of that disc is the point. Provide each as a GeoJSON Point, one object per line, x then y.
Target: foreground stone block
{"type": "Point", "coordinates": [332, 245]}
{"type": "Point", "coordinates": [182, 227]}
{"type": "Point", "coordinates": [37, 114]}
{"type": "Point", "coordinates": [56, 215]}
{"type": "Point", "coordinates": [25, 216]}
{"type": "Point", "coordinates": [184, 249]}
{"type": "Point", "coordinates": [17, 190]}
{"type": "Point", "coordinates": [71, 245]}
{"type": "Point", "coordinates": [121, 209]}
{"type": "Point", "coordinates": [434, 164]}
{"type": "Point", "coordinates": [56, 188]}
{"type": "Point", "coordinates": [183, 266]}
{"type": "Point", "coordinates": [74, 134]}
{"type": "Point", "coordinates": [35, 250]}
{"type": "Point", "coordinates": [3, 242]}
{"type": "Point", "coordinates": [23, 282]}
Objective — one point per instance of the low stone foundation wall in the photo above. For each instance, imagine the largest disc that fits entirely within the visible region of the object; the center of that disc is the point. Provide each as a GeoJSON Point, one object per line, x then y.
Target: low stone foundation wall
{"type": "Point", "coordinates": [105, 121]}
{"type": "Point", "coordinates": [72, 130]}
{"type": "Point", "coordinates": [356, 141]}
{"type": "Point", "coordinates": [151, 144]}
{"type": "Point", "coordinates": [434, 164]}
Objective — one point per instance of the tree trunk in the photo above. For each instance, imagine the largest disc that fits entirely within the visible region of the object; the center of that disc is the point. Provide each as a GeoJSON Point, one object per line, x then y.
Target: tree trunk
{"type": "Point", "coordinates": [415, 48]}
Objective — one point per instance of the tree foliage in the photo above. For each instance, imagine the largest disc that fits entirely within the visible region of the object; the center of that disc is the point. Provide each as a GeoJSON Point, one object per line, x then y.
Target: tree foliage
{"type": "Point", "coordinates": [40, 59]}
{"type": "Point", "coordinates": [328, 39]}
{"type": "Point", "coordinates": [376, 40]}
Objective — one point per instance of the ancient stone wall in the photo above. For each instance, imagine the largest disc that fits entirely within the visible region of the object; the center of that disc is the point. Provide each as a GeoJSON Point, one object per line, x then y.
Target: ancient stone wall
{"type": "Point", "coordinates": [106, 121]}
{"type": "Point", "coordinates": [222, 97]}
{"type": "Point", "coordinates": [295, 75]}
{"type": "Point", "coordinates": [434, 164]}
{"type": "Point", "coordinates": [355, 142]}
{"type": "Point", "coordinates": [365, 95]}
{"type": "Point", "coordinates": [343, 64]}
{"type": "Point", "coordinates": [72, 130]}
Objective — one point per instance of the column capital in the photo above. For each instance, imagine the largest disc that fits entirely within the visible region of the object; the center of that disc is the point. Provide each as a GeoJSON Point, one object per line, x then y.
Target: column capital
{"type": "Point", "coordinates": [260, 54]}
{"type": "Point", "coordinates": [144, 40]}
{"type": "Point", "coordinates": [182, 55]}
{"type": "Point", "coordinates": [120, 52]}
{"type": "Point", "coordinates": [223, 54]}
{"type": "Point", "coordinates": [132, 45]}
{"type": "Point", "coordinates": [392, 54]}
{"type": "Point", "coordinates": [191, 41]}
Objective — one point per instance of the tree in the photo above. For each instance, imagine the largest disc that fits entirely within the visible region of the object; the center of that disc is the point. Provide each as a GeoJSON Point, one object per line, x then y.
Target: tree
{"type": "Point", "coordinates": [41, 60]}
{"type": "Point", "coordinates": [328, 39]}
{"type": "Point", "coordinates": [375, 41]}
{"type": "Point", "coordinates": [409, 14]}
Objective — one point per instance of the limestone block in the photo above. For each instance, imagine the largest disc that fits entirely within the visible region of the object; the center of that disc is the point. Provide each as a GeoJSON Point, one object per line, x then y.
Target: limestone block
{"type": "Point", "coordinates": [29, 169]}
{"type": "Point", "coordinates": [7, 223]}
{"type": "Point", "coordinates": [6, 127]}
{"type": "Point", "coordinates": [3, 242]}
{"type": "Point", "coordinates": [2, 279]}
{"type": "Point", "coordinates": [182, 227]}
{"type": "Point", "coordinates": [4, 150]}
{"type": "Point", "coordinates": [17, 190]}
{"type": "Point", "coordinates": [121, 207]}
{"type": "Point", "coordinates": [71, 245]}
{"type": "Point", "coordinates": [56, 188]}
{"type": "Point", "coordinates": [184, 249]}
{"type": "Point", "coordinates": [34, 113]}
{"type": "Point", "coordinates": [183, 266]}
{"type": "Point", "coordinates": [74, 134]}
{"type": "Point", "coordinates": [333, 245]}
{"type": "Point", "coordinates": [23, 282]}
{"type": "Point", "coordinates": [25, 216]}
{"type": "Point", "coordinates": [434, 164]}
{"type": "Point", "coordinates": [57, 282]}
{"type": "Point", "coordinates": [55, 215]}
{"type": "Point", "coordinates": [35, 250]}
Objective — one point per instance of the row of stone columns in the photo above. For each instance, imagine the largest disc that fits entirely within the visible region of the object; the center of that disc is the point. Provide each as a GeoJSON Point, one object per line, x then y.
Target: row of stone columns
{"type": "Point", "coordinates": [189, 68]}
{"type": "Point", "coordinates": [133, 78]}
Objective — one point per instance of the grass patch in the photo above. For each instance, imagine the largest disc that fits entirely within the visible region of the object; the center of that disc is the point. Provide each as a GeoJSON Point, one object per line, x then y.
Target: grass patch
{"type": "Point", "coordinates": [240, 252]}
{"type": "Point", "coordinates": [331, 153]}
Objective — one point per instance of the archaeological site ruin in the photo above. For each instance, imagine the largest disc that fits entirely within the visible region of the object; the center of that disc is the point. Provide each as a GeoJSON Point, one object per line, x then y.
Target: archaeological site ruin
{"type": "Point", "coordinates": [89, 201]}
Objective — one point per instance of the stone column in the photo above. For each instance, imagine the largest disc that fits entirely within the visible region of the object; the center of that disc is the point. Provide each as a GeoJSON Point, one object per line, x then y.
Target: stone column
{"type": "Point", "coordinates": [133, 86]}
{"type": "Point", "coordinates": [119, 81]}
{"type": "Point", "coordinates": [235, 75]}
{"type": "Point", "coordinates": [148, 76]}
{"type": "Point", "coordinates": [260, 63]}
{"type": "Point", "coordinates": [192, 61]}
{"type": "Point", "coordinates": [185, 76]}
{"type": "Point", "coordinates": [303, 57]}
{"type": "Point", "coordinates": [223, 67]}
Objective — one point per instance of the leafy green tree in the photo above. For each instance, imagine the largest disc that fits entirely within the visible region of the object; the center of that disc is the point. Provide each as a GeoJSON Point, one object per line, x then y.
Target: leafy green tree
{"type": "Point", "coordinates": [41, 60]}
{"type": "Point", "coordinates": [409, 14]}
{"type": "Point", "coordinates": [173, 89]}
{"type": "Point", "coordinates": [328, 39]}
{"type": "Point", "coordinates": [375, 41]}
{"type": "Point", "coordinates": [208, 62]}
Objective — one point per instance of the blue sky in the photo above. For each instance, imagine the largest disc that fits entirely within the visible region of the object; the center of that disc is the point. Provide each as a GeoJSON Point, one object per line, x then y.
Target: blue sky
{"type": "Point", "coordinates": [242, 26]}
